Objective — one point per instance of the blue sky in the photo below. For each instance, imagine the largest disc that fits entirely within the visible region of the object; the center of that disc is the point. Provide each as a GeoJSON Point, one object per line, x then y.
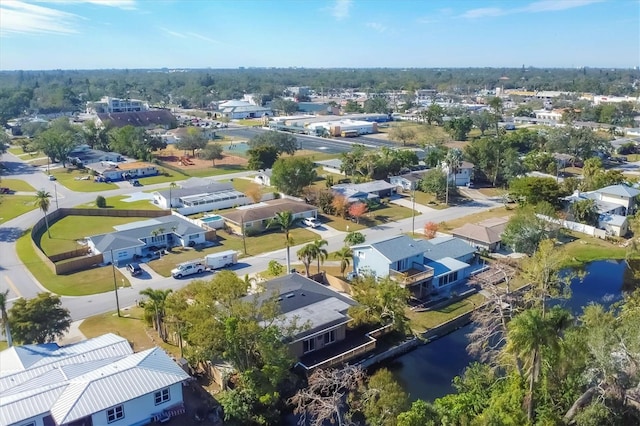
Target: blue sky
{"type": "Point", "coordinates": [91, 34]}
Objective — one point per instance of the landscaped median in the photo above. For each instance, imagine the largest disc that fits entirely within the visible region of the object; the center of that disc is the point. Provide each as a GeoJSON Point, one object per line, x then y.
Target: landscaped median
{"type": "Point", "coordinates": [91, 281]}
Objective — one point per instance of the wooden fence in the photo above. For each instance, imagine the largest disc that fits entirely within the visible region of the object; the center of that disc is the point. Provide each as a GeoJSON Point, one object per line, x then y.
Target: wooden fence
{"type": "Point", "coordinates": [83, 261]}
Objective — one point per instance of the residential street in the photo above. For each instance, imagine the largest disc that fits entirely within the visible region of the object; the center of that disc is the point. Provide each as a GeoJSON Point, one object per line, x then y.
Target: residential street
{"type": "Point", "coordinates": [15, 276]}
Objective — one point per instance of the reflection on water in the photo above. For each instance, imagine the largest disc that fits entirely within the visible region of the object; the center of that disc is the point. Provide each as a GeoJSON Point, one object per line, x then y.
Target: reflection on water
{"type": "Point", "coordinates": [426, 373]}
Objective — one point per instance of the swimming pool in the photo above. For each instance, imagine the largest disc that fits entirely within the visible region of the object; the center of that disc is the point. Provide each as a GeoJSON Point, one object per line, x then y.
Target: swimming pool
{"type": "Point", "coordinates": [211, 218]}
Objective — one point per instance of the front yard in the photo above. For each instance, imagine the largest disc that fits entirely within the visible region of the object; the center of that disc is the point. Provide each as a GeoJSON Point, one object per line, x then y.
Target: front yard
{"type": "Point", "coordinates": [80, 180]}
{"type": "Point", "coordinates": [259, 244]}
{"type": "Point", "coordinates": [387, 213]}
{"type": "Point", "coordinates": [17, 185]}
{"type": "Point", "coordinates": [12, 206]}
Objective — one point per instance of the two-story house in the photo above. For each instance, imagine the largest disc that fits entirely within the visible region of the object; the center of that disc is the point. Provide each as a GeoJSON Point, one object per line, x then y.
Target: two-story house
{"type": "Point", "coordinates": [425, 267]}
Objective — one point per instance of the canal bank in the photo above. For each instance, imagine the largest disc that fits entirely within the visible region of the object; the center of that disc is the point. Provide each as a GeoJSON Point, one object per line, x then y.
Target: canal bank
{"type": "Point", "coordinates": [427, 371]}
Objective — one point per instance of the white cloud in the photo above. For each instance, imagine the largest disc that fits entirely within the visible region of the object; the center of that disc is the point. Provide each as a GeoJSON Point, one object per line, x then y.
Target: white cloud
{"type": "Point", "coordinates": [121, 4]}
{"type": "Point", "coordinates": [535, 7]}
{"type": "Point", "coordinates": [341, 9]}
{"type": "Point", "coordinates": [376, 26]}
{"type": "Point", "coordinates": [484, 12]}
{"type": "Point", "coordinates": [17, 17]}
{"type": "Point", "coordinates": [173, 33]}
{"type": "Point", "coordinates": [201, 37]}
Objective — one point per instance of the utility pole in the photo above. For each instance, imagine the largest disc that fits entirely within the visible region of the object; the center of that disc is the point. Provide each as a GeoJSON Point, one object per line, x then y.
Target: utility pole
{"type": "Point", "coordinates": [55, 189]}
{"type": "Point", "coordinates": [413, 213]}
{"type": "Point", "coordinates": [115, 283]}
{"type": "Point", "coordinates": [244, 242]}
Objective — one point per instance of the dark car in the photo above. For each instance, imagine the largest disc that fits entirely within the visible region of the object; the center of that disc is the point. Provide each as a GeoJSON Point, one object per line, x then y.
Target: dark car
{"type": "Point", "coordinates": [136, 183]}
{"type": "Point", "coordinates": [134, 269]}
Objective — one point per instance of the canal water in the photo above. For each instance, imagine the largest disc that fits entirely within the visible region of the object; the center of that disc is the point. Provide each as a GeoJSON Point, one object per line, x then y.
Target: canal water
{"type": "Point", "coordinates": [426, 372]}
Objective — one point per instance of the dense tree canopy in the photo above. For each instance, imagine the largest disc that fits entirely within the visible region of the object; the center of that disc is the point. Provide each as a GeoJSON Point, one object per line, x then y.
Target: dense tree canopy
{"type": "Point", "coordinates": [292, 175]}
{"type": "Point", "coordinates": [38, 320]}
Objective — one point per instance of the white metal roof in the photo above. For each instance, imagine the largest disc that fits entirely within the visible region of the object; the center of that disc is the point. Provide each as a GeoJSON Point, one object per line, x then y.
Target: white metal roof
{"type": "Point", "coordinates": [78, 380]}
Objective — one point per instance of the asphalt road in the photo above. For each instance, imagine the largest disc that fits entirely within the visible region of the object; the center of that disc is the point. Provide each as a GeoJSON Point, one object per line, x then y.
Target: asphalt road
{"type": "Point", "coordinates": [313, 143]}
{"type": "Point", "coordinates": [15, 277]}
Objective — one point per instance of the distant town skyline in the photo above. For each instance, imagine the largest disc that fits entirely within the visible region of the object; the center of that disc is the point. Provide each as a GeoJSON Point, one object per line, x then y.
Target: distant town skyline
{"type": "Point", "coordinates": [99, 34]}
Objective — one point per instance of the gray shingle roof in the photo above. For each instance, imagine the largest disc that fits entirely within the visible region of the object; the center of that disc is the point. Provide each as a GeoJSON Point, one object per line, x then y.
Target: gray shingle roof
{"type": "Point", "coordinates": [266, 210]}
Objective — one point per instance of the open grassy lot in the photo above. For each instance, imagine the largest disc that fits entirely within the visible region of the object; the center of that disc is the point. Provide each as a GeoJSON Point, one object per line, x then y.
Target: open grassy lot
{"type": "Point", "coordinates": [12, 206]}
{"type": "Point", "coordinates": [249, 122]}
{"type": "Point", "coordinates": [17, 185]}
{"type": "Point", "coordinates": [255, 245]}
{"type": "Point", "coordinates": [130, 325]}
{"type": "Point", "coordinates": [385, 214]}
{"type": "Point", "coordinates": [91, 281]}
{"type": "Point", "coordinates": [477, 217]}
{"type": "Point", "coordinates": [428, 200]}
{"type": "Point", "coordinates": [222, 169]}
{"type": "Point", "coordinates": [73, 179]}
{"type": "Point", "coordinates": [422, 321]}
{"type": "Point", "coordinates": [66, 231]}
{"type": "Point", "coordinates": [424, 133]}
{"type": "Point", "coordinates": [119, 202]}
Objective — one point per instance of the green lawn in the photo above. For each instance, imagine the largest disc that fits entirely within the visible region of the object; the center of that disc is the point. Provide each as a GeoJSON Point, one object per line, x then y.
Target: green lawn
{"type": "Point", "coordinates": [388, 213]}
{"type": "Point", "coordinates": [66, 231]}
{"type": "Point", "coordinates": [119, 202]}
{"type": "Point", "coordinates": [478, 217]}
{"type": "Point", "coordinates": [18, 151]}
{"type": "Point", "coordinates": [12, 206]}
{"type": "Point", "coordinates": [72, 179]}
{"type": "Point", "coordinates": [91, 281]}
{"type": "Point", "coordinates": [166, 175]}
{"type": "Point", "coordinates": [17, 185]}
{"type": "Point", "coordinates": [242, 185]}
{"type": "Point", "coordinates": [428, 200]}
{"type": "Point", "coordinates": [422, 321]}
{"type": "Point", "coordinates": [586, 249]}
{"type": "Point", "coordinates": [255, 245]}
{"type": "Point", "coordinates": [249, 122]}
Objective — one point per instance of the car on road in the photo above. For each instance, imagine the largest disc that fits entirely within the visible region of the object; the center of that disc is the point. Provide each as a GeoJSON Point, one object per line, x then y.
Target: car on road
{"type": "Point", "coordinates": [134, 269]}
{"type": "Point", "coordinates": [311, 222]}
{"type": "Point", "coordinates": [136, 183]}
{"type": "Point", "coordinates": [52, 177]}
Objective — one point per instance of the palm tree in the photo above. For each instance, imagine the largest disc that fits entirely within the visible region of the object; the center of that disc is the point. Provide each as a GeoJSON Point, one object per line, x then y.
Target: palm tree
{"type": "Point", "coordinates": [319, 252]}
{"type": "Point", "coordinates": [528, 334]}
{"type": "Point", "coordinates": [4, 318]}
{"type": "Point", "coordinates": [43, 201]}
{"type": "Point", "coordinates": [171, 186]}
{"type": "Point", "coordinates": [285, 221]}
{"type": "Point", "coordinates": [344, 255]}
{"type": "Point", "coordinates": [156, 304]}
{"type": "Point", "coordinates": [354, 238]}
{"type": "Point", "coordinates": [453, 160]}
{"type": "Point", "coordinates": [306, 254]}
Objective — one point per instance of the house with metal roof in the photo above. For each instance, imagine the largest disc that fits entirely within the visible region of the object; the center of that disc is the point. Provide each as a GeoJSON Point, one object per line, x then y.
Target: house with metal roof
{"type": "Point", "coordinates": [236, 109]}
{"type": "Point", "coordinates": [253, 219]}
{"type": "Point", "coordinates": [423, 266]}
{"type": "Point", "coordinates": [201, 198]}
{"type": "Point", "coordinates": [614, 224]}
{"type": "Point", "coordinates": [138, 238]}
{"type": "Point", "coordinates": [407, 181]}
{"type": "Point", "coordinates": [94, 382]}
{"type": "Point", "coordinates": [623, 195]}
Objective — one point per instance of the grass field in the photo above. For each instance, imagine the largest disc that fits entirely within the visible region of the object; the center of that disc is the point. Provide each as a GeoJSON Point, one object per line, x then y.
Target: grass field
{"type": "Point", "coordinates": [255, 245]}
{"type": "Point", "coordinates": [428, 200]}
{"type": "Point", "coordinates": [72, 179]}
{"type": "Point", "coordinates": [91, 281]}
{"type": "Point", "coordinates": [586, 249]}
{"type": "Point", "coordinates": [216, 171]}
{"type": "Point", "coordinates": [17, 185]}
{"type": "Point", "coordinates": [165, 175]}
{"type": "Point", "coordinates": [119, 202]}
{"type": "Point", "coordinates": [12, 206]}
{"type": "Point", "coordinates": [66, 231]}
{"type": "Point", "coordinates": [422, 321]}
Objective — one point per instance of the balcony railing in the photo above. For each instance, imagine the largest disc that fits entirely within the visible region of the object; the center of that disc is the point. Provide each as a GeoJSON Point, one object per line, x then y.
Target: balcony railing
{"type": "Point", "coordinates": [411, 276]}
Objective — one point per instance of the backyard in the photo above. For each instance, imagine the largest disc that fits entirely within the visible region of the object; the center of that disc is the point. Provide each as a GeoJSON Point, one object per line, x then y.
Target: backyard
{"type": "Point", "coordinates": [422, 321]}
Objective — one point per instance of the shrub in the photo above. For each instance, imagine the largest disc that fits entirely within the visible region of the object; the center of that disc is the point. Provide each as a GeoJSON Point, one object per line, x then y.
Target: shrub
{"type": "Point", "coordinates": [275, 268]}
{"type": "Point", "coordinates": [101, 201]}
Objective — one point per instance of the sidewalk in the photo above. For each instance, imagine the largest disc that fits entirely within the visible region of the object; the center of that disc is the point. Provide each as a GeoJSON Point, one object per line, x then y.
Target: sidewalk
{"type": "Point", "coordinates": [411, 205]}
{"type": "Point", "coordinates": [74, 334]}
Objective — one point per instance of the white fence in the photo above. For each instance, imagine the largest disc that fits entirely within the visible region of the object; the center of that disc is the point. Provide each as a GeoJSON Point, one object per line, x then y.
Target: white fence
{"type": "Point", "coordinates": [577, 227]}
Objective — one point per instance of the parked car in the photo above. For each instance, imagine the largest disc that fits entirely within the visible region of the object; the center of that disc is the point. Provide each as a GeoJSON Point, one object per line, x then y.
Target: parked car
{"type": "Point", "coordinates": [311, 222]}
{"type": "Point", "coordinates": [134, 269]}
{"type": "Point", "coordinates": [52, 177]}
{"type": "Point", "coordinates": [136, 183]}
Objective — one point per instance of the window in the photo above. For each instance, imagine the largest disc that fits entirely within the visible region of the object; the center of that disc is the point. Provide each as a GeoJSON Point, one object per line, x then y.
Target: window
{"type": "Point", "coordinates": [114, 414]}
{"type": "Point", "coordinates": [29, 424]}
{"type": "Point", "coordinates": [330, 337]}
{"type": "Point", "coordinates": [308, 345]}
{"type": "Point", "coordinates": [162, 396]}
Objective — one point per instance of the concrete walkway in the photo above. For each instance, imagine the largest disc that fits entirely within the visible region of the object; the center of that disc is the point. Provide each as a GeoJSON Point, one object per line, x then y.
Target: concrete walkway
{"type": "Point", "coordinates": [404, 202]}
{"type": "Point", "coordinates": [74, 334]}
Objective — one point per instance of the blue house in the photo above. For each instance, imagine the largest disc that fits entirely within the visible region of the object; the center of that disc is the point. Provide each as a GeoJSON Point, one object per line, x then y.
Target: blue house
{"type": "Point", "coordinates": [425, 267]}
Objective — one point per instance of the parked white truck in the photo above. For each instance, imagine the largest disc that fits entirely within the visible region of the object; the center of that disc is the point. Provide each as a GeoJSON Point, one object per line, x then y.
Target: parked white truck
{"type": "Point", "coordinates": [210, 262]}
